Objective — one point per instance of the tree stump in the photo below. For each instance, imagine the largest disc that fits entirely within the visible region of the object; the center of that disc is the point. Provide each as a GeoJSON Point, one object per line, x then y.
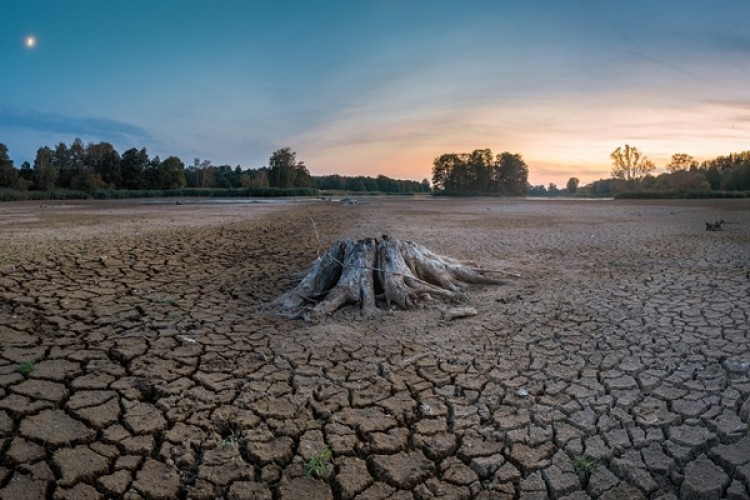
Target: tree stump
{"type": "Point", "coordinates": [369, 272]}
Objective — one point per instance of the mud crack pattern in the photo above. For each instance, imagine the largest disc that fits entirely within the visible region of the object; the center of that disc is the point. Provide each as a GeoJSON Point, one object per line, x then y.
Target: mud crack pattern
{"type": "Point", "coordinates": [140, 364]}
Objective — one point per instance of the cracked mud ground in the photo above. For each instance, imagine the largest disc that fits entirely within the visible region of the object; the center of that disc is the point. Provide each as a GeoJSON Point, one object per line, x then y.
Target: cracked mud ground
{"type": "Point", "coordinates": [136, 362]}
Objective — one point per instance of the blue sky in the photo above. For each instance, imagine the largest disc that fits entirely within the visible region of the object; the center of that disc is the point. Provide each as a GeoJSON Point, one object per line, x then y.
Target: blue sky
{"type": "Point", "coordinates": [369, 87]}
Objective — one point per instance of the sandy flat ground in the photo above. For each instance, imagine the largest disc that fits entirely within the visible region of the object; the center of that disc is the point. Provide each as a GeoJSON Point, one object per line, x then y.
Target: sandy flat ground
{"type": "Point", "coordinates": [136, 359]}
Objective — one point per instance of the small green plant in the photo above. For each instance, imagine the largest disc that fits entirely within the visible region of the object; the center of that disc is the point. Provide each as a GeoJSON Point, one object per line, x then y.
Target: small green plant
{"type": "Point", "coordinates": [319, 464]}
{"type": "Point", "coordinates": [26, 367]}
{"type": "Point", "coordinates": [230, 441]}
{"type": "Point", "coordinates": [174, 316]}
{"type": "Point", "coordinates": [584, 465]}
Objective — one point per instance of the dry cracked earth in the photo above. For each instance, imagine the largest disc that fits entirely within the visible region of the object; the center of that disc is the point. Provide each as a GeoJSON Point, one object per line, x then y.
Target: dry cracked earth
{"type": "Point", "coordinates": [136, 359]}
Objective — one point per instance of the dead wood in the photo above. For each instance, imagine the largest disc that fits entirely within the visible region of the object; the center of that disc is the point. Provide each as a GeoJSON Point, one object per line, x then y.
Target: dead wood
{"type": "Point", "coordinates": [403, 273]}
{"type": "Point", "coordinates": [458, 312]}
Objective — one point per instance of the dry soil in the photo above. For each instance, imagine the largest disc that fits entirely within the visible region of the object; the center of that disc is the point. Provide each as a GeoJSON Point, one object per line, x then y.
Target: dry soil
{"type": "Point", "coordinates": [136, 360]}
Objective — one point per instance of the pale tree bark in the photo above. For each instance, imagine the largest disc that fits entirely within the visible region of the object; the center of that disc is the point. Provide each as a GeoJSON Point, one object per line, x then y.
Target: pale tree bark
{"type": "Point", "coordinates": [399, 273]}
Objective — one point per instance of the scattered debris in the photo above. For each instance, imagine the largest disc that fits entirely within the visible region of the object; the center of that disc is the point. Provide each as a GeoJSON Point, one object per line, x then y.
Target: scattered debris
{"type": "Point", "coordinates": [458, 312]}
{"type": "Point", "coordinates": [523, 392]}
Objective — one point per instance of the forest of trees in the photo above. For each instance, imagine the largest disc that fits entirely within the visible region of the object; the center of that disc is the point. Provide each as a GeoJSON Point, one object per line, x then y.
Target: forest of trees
{"type": "Point", "coordinates": [98, 166]}
{"type": "Point", "coordinates": [480, 172]}
{"type": "Point", "coordinates": [95, 167]}
{"type": "Point", "coordinates": [632, 175]}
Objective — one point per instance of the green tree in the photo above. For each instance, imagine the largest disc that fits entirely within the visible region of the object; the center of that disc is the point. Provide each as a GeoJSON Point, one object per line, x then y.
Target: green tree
{"type": "Point", "coordinates": [172, 173]}
{"type": "Point", "coordinates": [449, 172]}
{"type": "Point", "coordinates": [629, 164]}
{"type": "Point", "coordinates": [8, 173]}
{"type": "Point", "coordinates": [254, 178]}
{"type": "Point", "coordinates": [61, 160]}
{"type": "Point", "coordinates": [133, 168]}
{"type": "Point", "coordinates": [45, 172]}
{"type": "Point", "coordinates": [682, 180]}
{"type": "Point", "coordinates": [572, 186]}
{"type": "Point", "coordinates": [284, 171]}
{"type": "Point", "coordinates": [152, 174]}
{"type": "Point", "coordinates": [26, 172]}
{"type": "Point", "coordinates": [478, 173]}
{"type": "Point", "coordinates": [479, 170]}
{"type": "Point", "coordinates": [104, 159]}
{"type": "Point", "coordinates": [512, 176]}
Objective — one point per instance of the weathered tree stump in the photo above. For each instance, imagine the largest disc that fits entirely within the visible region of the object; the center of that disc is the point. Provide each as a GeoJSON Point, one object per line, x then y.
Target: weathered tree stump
{"type": "Point", "coordinates": [372, 271]}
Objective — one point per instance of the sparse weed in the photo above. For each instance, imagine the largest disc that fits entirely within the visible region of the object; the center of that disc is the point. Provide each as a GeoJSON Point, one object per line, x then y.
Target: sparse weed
{"type": "Point", "coordinates": [174, 316]}
{"type": "Point", "coordinates": [319, 464]}
{"type": "Point", "coordinates": [165, 299]}
{"type": "Point", "coordinates": [584, 465]}
{"type": "Point", "coordinates": [26, 367]}
{"type": "Point", "coordinates": [230, 441]}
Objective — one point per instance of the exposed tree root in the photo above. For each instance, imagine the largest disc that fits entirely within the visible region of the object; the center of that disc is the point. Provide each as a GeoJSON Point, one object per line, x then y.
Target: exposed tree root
{"type": "Point", "coordinates": [402, 273]}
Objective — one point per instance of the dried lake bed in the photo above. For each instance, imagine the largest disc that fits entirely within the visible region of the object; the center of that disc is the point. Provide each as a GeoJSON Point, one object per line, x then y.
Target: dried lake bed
{"type": "Point", "coordinates": [136, 359]}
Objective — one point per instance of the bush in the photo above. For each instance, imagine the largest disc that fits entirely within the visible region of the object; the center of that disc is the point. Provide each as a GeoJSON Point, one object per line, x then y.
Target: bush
{"type": "Point", "coordinates": [118, 194]}
{"type": "Point", "coordinates": [693, 194]}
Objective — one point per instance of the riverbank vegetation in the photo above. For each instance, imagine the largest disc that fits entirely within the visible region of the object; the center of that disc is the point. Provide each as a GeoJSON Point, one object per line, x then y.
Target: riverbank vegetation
{"type": "Point", "coordinates": [99, 171]}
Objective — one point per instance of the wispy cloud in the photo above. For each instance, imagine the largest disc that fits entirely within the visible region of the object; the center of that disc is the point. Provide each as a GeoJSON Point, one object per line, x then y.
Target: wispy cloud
{"type": "Point", "coordinates": [57, 123]}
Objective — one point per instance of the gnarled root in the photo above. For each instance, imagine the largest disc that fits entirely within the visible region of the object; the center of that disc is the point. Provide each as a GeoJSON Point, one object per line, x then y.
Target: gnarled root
{"type": "Point", "coordinates": [351, 272]}
{"type": "Point", "coordinates": [322, 276]}
{"type": "Point", "coordinates": [445, 272]}
{"type": "Point", "coordinates": [399, 283]}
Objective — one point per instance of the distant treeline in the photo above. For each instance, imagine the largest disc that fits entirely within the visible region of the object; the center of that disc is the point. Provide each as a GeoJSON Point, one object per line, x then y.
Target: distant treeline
{"type": "Point", "coordinates": [722, 177]}
{"type": "Point", "coordinates": [98, 170]}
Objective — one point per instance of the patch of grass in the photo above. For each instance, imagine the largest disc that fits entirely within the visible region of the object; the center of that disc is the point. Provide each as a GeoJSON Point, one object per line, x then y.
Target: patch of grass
{"type": "Point", "coordinates": [165, 299]}
{"type": "Point", "coordinates": [26, 367]}
{"type": "Point", "coordinates": [230, 441]}
{"type": "Point", "coordinates": [584, 465]}
{"type": "Point", "coordinates": [174, 316]}
{"type": "Point", "coordinates": [319, 464]}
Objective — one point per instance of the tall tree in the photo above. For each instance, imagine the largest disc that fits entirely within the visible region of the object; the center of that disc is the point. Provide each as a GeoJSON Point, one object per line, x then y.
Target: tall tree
{"type": "Point", "coordinates": [26, 173]}
{"type": "Point", "coordinates": [629, 164]}
{"type": "Point", "coordinates": [572, 186]}
{"type": "Point", "coordinates": [284, 171]}
{"type": "Point", "coordinates": [681, 161]}
{"type": "Point", "coordinates": [512, 174]}
{"type": "Point", "coordinates": [133, 168]}
{"type": "Point", "coordinates": [449, 172]}
{"type": "Point", "coordinates": [104, 159]}
{"type": "Point", "coordinates": [479, 170]}
{"type": "Point", "coordinates": [62, 162]}
{"type": "Point", "coordinates": [83, 177]}
{"type": "Point", "coordinates": [152, 174]}
{"type": "Point", "coordinates": [172, 173]}
{"type": "Point", "coordinates": [8, 173]}
{"type": "Point", "coordinates": [45, 172]}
